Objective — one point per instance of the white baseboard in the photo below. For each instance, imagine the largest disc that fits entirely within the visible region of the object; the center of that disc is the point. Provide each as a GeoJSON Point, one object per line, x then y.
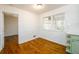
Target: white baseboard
{"type": "Point", "coordinates": [44, 38]}
{"type": "Point", "coordinates": [30, 39]}
{"type": "Point", "coordinates": [52, 40]}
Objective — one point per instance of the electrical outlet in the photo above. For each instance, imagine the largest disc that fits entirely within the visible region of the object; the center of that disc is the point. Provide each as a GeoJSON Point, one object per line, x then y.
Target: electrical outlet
{"type": "Point", "coordinates": [34, 35]}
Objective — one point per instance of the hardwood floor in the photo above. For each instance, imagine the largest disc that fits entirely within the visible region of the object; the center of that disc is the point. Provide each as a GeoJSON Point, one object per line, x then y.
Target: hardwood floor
{"type": "Point", "coordinates": [36, 46]}
{"type": "Point", "coordinates": [10, 45]}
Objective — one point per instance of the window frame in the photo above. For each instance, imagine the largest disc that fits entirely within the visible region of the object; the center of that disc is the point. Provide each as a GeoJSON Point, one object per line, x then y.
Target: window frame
{"type": "Point", "coordinates": [56, 20]}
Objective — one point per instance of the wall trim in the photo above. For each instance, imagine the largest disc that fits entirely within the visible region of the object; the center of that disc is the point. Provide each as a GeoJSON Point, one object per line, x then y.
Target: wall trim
{"type": "Point", "coordinates": [45, 39]}
{"type": "Point", "coordinates": [29, 40]}
{"type": "Point", "coordinates": [53, 41]}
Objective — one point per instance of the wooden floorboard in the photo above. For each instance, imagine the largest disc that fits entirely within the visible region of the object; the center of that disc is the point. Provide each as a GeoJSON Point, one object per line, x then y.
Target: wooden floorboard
{"type": "Point", "coordinates": [36, 46]}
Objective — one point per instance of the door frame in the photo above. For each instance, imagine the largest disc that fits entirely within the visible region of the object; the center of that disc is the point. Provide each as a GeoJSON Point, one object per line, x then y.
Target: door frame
{"type": "Point", "coordinates": [3, 24]}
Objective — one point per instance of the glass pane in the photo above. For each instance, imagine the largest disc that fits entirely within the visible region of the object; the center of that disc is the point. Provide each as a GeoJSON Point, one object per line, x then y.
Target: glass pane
{"type": "Point", "coordinates": [59, 21]}
{"type": "Point", "coordinates": [47, 23]}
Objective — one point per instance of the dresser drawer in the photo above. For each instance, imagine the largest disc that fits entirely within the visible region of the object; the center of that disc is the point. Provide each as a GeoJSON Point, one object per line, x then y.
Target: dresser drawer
{"type": "Point", "coordinates": [73, 43]}
{"type": "Point", "coordinates": [73, 37]}
{"type": "Point", "coordinates": [75, 47]}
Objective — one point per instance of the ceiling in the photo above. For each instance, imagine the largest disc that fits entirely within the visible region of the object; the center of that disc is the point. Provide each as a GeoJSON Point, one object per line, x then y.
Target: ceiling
{"type": "Point", "coordinates": [29, 7]}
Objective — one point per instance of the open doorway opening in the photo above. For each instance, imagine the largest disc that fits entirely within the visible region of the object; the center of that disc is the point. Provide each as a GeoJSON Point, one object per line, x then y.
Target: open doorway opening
{"type": "Point", "coordinates": [10, 30]}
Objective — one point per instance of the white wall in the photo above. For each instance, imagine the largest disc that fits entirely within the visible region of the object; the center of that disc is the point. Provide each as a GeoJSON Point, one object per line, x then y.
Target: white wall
{"type": "Point", "coordinates": [28, 26]}
{"type": "Point", "coordinates": [10, 25]}
{"type": "Point", "coordinates": [1, 30]}
{"type": "Point", "coordinates": [53, 35]}
{"type": "Point", "coordinates": [72, 19]}
{"type": "Point", "coordinates": [71, 24]}
{"type": "Point", "coordinates": [27, 23]}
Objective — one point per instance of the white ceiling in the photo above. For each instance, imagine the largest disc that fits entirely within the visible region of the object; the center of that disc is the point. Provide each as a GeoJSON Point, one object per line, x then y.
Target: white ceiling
{"type": "Point", "coordinates": [30, 8]}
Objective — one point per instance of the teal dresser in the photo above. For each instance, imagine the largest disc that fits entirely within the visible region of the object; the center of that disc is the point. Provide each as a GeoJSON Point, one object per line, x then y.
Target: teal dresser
{"type": "Point", "coordinates": [72, 44]}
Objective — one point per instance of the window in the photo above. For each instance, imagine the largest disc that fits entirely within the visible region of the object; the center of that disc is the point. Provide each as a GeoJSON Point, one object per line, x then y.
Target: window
{"type": "Point", "coordinates": [54, 23]}
{"type": "Point", "coordinates": [47, 23]}
{"type": "Point", "coordinates": [59, 21]}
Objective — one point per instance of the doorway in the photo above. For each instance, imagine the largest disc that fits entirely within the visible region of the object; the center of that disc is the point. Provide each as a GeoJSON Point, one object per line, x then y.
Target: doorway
{"type": "Point", "coordinates": [10, 30]}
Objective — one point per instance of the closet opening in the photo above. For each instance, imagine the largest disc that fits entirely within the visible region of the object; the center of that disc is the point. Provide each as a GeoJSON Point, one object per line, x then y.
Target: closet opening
{"type": "Point", "coordinates": [10, 30]}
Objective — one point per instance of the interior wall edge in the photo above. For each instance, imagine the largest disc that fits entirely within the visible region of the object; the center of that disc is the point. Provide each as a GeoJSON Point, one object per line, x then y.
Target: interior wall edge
{"type": "Point", "coordinates": [28, 40]}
